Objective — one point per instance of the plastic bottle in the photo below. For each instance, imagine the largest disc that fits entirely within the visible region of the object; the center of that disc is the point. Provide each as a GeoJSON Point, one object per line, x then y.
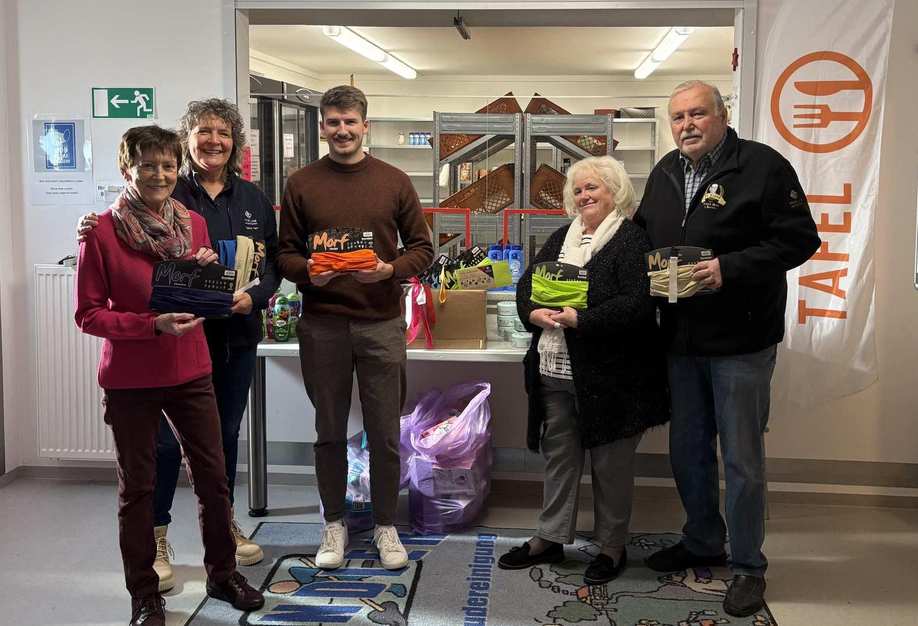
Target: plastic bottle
{"type": "Point", "coordinates": [281, 319]}
{"type": "Point", "coordinates": [505, 251]}
{"type": "Point", "coordinates": [495, 253]}
{"type": "Point", "coordinates": [269, 317]}
{"type": "Point", "coordinates": [517, 264]}
{"type": "Point", "coordinates": [296, 304]}
{"type": "Point", "coordinates": [296, 311]}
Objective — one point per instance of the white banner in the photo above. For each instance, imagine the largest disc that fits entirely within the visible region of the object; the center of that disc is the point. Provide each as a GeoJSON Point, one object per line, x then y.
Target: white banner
{"type": "Point", "coordinates": [820, 93]}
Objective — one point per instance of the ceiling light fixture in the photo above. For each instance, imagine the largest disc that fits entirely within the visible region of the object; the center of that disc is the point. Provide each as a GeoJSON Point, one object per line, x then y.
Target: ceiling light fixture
{"type": "Point", "coordinates": [459, 23]}
{"type": "Point", "coordinates": [349, 39]}
{"type": "Point", "coordinates": [670, 42]}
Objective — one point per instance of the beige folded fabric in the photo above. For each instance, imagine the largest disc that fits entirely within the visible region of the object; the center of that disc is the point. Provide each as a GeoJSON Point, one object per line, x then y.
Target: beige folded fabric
{"type": "Point", "coordinates": [245, 255]}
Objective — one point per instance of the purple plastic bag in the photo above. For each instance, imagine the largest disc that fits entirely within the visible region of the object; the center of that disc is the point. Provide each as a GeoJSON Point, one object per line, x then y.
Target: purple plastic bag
{"type": "Point", "coordinates": [449, 439]}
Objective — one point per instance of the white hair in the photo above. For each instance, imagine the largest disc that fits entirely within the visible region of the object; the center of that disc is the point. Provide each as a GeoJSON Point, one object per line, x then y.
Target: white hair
{"type": "Point", "coordinates": [612, 174]}
{"type": "Point", "coordinates": [719, 107]}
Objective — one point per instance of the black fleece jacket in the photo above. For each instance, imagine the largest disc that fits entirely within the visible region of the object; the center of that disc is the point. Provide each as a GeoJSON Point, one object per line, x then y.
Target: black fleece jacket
{"type": "Point", "coordinates": [617, 360]}
{"type": "Point", "coordinates": [241, 209]}
{"type": "Point", "coordinates": [763, 229]}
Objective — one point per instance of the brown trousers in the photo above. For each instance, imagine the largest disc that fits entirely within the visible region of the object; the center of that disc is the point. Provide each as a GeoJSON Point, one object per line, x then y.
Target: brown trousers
{"type": "Point", "coordinates": [331, 350]}
{"type": "Point", "coordinates": [134, 415]}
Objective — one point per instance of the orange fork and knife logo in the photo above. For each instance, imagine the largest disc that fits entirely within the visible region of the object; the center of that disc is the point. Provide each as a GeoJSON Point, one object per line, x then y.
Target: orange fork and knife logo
{"type": "Point", "coordinates": [821, 115]}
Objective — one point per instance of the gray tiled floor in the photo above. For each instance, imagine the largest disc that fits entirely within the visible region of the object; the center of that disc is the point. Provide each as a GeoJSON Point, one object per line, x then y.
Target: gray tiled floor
{"type": "Point", "coordinates": [830, 565]}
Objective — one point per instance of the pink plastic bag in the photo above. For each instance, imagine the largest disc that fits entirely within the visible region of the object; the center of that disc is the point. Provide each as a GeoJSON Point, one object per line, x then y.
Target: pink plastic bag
{"type": "Point", "coordinates": [448, 439]}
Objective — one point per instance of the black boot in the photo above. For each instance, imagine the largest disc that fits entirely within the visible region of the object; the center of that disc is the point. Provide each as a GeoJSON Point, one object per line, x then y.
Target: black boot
{"type": "Point", "coordinates": [745, 596]}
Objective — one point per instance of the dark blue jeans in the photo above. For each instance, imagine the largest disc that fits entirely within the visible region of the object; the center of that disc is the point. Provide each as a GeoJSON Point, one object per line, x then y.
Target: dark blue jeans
{"type": "Point", "coordinates": [726, 397]}
{"type": "Point", "coordinates": [233, 369]}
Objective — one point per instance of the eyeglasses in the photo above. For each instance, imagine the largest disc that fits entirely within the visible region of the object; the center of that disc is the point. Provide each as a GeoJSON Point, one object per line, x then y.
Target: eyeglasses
{"type": "Point", "coordinates": [152, 168]}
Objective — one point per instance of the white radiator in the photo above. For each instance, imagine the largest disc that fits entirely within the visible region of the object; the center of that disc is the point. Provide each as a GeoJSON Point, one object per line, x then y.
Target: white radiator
{"type": "Point", "coordinates": [70, 422]}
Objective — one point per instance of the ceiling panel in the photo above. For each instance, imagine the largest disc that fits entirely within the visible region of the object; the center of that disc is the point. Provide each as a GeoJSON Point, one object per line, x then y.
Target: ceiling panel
{"type": "Point", "coordinates": [521, 51]}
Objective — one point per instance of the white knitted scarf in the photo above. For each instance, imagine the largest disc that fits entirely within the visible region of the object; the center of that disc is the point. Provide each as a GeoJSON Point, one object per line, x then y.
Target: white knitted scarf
{"type": "Point", "coordinates": [551, 342]}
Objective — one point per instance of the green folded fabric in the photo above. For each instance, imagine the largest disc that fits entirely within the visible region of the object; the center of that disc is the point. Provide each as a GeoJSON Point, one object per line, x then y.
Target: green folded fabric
{"type": "Point", "coordinates": [557, 294]}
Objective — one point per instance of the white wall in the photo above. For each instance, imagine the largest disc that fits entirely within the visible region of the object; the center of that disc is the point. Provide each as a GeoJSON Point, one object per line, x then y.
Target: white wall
{"type": "Point", "coordinates": [61, 49]}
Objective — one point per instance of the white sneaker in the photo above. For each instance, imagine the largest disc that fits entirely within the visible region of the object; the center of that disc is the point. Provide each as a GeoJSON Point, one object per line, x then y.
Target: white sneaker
{"type": "Point", "coordinates": [161, 565]}
{"type": "Point", "coordinates": [334, 541]}
{"type": "Point", "coordinates": [247, 551]}
{"type": "Point", "coordinates": [392, 553]}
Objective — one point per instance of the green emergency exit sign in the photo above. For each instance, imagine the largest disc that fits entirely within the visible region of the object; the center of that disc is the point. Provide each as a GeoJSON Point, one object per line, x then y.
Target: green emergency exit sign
{"type": "Point", "coordinates": [124, 102]}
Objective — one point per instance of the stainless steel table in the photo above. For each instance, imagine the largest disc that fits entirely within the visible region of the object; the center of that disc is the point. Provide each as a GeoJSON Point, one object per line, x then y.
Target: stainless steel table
{"type": "Point", "coordinates": [496, 352]}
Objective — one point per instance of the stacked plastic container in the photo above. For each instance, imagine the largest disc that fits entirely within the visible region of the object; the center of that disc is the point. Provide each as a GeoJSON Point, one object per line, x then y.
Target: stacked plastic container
{"type": "Point", "coordinates": [510, 326]}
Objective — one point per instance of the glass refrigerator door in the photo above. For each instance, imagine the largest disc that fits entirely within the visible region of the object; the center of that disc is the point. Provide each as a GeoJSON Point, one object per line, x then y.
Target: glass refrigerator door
{"type": "Point", "coordinates": [291, 146]}
{"type": "Point", "coordinates": [255, 146]}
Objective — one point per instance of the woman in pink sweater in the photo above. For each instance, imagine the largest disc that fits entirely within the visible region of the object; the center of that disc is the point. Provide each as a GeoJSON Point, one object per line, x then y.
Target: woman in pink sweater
{"type": "Point", "coordinates": [155, 364]}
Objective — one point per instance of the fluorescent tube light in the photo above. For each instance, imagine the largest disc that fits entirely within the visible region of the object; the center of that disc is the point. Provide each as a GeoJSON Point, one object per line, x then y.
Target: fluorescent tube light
{"type": "Point", "coordinates": [394, 65]}
{"type": "Point", "coordinates": [670, 42]}
{"type": "Point", "coordinates": [348, 38]}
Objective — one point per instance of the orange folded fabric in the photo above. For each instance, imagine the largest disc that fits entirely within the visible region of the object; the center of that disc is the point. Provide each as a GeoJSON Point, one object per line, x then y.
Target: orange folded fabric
{"type": "Point", "coordinates": [342, 261]}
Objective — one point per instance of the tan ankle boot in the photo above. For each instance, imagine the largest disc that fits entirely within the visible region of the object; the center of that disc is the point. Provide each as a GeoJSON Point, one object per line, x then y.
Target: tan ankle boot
{"type": "Point", "coordinates": [161, 565]}
{"type": "Point", "coordinates": [247, 551]}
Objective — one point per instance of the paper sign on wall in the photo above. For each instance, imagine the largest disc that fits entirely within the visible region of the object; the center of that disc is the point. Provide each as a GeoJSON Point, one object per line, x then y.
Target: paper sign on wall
{"type": "Point", "coordinates": [61, 172]}
{"type": "Point", "coordinates": [254, 139]}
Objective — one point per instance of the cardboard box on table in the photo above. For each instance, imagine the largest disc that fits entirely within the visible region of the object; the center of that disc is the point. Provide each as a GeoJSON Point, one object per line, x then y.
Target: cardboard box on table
{"type": "Point", "coordinates": [460, 321]}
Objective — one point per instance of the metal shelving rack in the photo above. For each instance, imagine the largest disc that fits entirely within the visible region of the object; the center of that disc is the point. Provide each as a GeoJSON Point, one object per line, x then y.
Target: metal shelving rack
{"type": "Point", "coordinates": [552, 129]}
{"type": "Point", "coordinates": [498, 131]}
{"type": "Point", "coordinates": [382, 142]}
{"type": "Point", "coordinates": [525, 132]}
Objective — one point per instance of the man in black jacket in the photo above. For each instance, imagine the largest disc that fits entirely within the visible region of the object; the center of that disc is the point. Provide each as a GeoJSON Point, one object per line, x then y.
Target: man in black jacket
{"type": "Point", "coordinates": [743, 201]}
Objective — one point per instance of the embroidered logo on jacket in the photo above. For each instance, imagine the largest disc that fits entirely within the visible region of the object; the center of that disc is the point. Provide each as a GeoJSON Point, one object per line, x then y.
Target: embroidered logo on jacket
{"type": "Point", "coordinates": [713, 197]}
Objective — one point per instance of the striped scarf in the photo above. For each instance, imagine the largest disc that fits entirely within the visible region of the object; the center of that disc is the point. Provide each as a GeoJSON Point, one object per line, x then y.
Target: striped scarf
{"type": "Point", "coordinates": [165, 235]}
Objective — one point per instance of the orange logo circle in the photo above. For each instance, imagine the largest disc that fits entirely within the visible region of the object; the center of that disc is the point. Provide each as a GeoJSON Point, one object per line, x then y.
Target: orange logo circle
{"type": "Point", "coordinates": [819, 115]}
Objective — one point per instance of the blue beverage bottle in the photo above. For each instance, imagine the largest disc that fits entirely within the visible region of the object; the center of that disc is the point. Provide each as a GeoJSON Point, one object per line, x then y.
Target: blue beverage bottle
{"type": "Point", "coordinates": [517, 265]}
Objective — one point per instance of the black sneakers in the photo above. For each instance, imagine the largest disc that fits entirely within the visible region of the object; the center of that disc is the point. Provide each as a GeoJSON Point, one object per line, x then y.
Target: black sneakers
{"type": "Point", "coordinates": [519, 557]}
{"type": "Point", "coordinates": [745, 596]}
{"type": "Point", "coordinates": [604, 569]}
{"type": "Point", "coordinates": [678, 557]}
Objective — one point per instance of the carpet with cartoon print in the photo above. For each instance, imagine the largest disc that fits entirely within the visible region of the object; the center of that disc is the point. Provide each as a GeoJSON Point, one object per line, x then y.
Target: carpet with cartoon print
{"type": "Point", "coordinates": [454, 580]}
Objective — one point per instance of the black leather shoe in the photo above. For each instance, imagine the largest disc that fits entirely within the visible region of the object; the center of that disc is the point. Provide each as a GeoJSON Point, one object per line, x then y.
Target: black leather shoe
{"type": "Point", "coordinates": [238, 592]}
{"type": "Point", "coordinates": [678, 557]}
{"type": "Point", "coordinates": [148, 611]}
{"type": "Point", "coordinates": [604, 568]}
{"type": "Point", "coordinates": [745, 596]}
{"type": "Point", "coordinates": [520, 558]}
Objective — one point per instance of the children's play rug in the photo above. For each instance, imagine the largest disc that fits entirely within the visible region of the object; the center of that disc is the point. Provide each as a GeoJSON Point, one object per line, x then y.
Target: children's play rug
{"type": "Point", "coordinates": [453, 580]}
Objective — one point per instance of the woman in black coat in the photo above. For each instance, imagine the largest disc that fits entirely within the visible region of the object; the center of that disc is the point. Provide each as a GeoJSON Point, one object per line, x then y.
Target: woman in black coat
{"type": "Point", "coordinates": [595, 375]}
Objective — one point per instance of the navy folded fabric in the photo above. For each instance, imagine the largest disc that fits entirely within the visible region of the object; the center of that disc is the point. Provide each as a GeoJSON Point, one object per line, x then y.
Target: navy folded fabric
{"type": "Point", "coordinates": [199, 302]}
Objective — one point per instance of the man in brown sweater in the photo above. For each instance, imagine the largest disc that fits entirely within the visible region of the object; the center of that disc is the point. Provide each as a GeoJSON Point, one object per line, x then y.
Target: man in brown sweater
{"type": "Point", "coordinates": [352, 320]}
